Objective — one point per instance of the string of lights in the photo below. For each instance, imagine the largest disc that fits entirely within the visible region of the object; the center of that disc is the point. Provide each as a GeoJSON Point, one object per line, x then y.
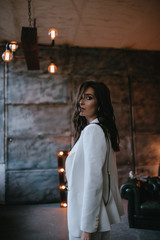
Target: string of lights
{"type": "Point", "coordinates": [62, 155]}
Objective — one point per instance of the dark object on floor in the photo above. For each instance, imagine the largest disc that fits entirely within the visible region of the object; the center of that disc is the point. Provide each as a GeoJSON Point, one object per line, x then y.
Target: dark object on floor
{"type": "Point", "coordinates": [143, 202]}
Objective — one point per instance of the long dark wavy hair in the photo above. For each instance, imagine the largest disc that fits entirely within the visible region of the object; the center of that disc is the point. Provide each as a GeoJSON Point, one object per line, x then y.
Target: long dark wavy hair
{"type": "Point", "coordinates": [105, 113]}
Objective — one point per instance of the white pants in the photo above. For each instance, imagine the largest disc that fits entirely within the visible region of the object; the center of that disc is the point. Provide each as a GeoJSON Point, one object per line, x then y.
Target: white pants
{"type": "Point", "coordinates": [94, 236]}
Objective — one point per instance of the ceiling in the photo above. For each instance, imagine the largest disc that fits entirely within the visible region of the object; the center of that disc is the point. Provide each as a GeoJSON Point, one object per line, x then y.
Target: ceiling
{"type": "Point", "coordinates": [133, 24]}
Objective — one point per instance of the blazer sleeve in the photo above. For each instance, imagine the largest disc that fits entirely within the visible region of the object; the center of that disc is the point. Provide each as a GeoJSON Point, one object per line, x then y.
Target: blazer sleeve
{"type": "Point", "coordinates": [94, 145]}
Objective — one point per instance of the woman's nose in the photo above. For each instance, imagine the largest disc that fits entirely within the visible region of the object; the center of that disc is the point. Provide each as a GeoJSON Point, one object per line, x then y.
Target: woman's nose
{"type": "Point", "coordinates": [81, 102]}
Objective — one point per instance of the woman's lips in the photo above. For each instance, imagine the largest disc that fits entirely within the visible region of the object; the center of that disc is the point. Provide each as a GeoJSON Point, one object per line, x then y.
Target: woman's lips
{"type": "Point", "coordinates": [82, 109]}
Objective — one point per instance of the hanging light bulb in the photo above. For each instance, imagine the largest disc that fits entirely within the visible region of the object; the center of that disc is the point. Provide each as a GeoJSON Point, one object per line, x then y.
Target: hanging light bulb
{"type": "Point", "coordinates": [53, 34]}
{"type": "Point", "coordinates": [7, 56]}
{"type": "Point", "coordinates": [13, 46]}
{"type": "Point", "coordinates": [52, 68]}
{"type": "Point", "coordinates": [60, 153]}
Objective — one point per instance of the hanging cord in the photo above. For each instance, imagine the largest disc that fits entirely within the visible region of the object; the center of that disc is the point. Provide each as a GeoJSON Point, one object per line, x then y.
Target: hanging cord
{"type": "Point", "coordinates": [29, 13]}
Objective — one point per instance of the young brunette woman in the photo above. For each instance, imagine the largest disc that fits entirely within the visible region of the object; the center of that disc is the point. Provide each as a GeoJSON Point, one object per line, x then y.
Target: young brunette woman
{"type": "Point", "coordinates": [94, 201]}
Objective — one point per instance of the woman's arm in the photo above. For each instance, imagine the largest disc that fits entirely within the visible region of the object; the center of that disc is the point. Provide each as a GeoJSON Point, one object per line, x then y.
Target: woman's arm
{"type": "Point", "coordinates": [95, 148]}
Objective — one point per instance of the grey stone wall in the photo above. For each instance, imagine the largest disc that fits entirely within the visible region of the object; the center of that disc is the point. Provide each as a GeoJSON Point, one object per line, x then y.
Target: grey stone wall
{"type": "Point", "coordinates": [39, 109]}
{"type": "Point", "coordinates": [2, 135]}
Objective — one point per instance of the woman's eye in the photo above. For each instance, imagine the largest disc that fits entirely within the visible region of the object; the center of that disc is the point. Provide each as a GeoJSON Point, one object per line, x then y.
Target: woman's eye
{"type": "Point", "coordinates": [88, 97]}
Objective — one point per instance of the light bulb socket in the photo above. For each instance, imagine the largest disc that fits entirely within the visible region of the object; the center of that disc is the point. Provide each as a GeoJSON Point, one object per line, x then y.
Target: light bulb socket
{"type": "Point", "coordinates": [53, 42]}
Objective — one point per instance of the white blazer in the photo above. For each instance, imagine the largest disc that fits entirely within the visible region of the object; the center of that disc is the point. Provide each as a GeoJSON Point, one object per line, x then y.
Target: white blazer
{"type": "Point", "coordinates": [86, 172]}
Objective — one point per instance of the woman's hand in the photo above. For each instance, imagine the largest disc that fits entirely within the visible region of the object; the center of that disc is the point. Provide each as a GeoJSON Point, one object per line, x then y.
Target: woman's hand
{"type": "Point", "coordinates": [86, 236]}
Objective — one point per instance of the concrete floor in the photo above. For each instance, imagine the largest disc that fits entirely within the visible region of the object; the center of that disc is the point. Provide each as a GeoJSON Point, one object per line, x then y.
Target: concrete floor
{"type": "Point", "coordinates": [48, 222]}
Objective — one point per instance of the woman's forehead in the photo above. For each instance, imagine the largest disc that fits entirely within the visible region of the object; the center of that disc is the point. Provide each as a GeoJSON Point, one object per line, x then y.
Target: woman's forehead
{"type": "Point", "coordinates": [89, 90]}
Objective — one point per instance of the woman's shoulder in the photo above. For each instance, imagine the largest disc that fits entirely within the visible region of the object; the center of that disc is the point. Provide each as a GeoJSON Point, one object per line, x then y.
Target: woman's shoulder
{"type": "Point", "coordinates": [93, 135]}
{"type": "Point", "coordinates": [93, 129]}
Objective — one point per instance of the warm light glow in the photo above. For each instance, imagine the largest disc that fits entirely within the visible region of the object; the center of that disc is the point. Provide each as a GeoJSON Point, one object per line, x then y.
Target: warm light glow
{"type": "Point", "coordinates": [68, 152]}
{"type": "Point", "coordinates": [62, 187]}
{"type": "Point", "coordinates": [13, 46]}
{"type": "Point", "coordinates": [60, 153]}
{"type": "Point", "coordinates": [63, 204]}
{"type": "Point", "coordinates": [61, 170]}
{"type": "Point", "coordinates": [7, 56]}
{"type": "Point", "coordinates": [52, 33]}
{"type": "Point", "coordinates": [52, 68]}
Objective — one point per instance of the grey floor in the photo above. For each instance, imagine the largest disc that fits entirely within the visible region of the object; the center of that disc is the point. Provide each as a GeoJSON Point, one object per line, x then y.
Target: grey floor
{"type": "Point", "coordinates": [48, 222]}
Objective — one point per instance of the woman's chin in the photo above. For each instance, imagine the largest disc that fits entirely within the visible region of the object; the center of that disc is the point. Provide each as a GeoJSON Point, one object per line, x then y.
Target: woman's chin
{"type": "Point", "coordinates": [81, 114]}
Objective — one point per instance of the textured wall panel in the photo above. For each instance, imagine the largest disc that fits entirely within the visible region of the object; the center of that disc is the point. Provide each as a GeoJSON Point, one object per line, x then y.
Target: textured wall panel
{"type": "Point", "coordinates": [147, 154]}
{"type": "Point", "coordinates": [150, 170]}
{"type": "Point", "coordinates": [38, 119]}
{"type": "Point", "coordinates": [37, 88]}
{"type": "Point", "coordinates": [2, 183]}
{"type": "Point", "coordinates": [32, 186]}
{"type": "Point", "coordinates": [147, 118]}
{"type": "Point", "coordinates": [1, 77]}
{"type": "Point", "coordinates": [146, 93]}
{"type": "Point", "coordinates": [118, 86]}
{"type": "Point", "coordinates": [143, 63]}
{"type": "Point", "coordinates": [37, 153]}
{"type": "Point", "coordinates": [124, 156]}
{"type": "Point", "coordinates": [98, 61]}
{"type": "Point", "coordinates": [1, 112]}
{"type": "Point", "coordinates": [122, 115]}
{"type": "Point", "coordinates": [123, 174]}
{"type": "Point", "coordinates": [148, 149]}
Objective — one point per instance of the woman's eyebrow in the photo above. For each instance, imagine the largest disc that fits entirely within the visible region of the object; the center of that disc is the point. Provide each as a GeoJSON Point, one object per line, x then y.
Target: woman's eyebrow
{"type": "Point", "coordinates": [86, 94]}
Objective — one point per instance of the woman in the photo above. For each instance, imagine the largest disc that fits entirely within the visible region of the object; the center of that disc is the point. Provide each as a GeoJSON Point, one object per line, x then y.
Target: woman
{"type": "Point", "coordinates": [94, 201]}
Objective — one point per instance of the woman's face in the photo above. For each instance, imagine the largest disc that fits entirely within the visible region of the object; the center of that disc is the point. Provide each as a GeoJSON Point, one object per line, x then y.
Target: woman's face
{"type": "Point", "coordinates": [88, 105]}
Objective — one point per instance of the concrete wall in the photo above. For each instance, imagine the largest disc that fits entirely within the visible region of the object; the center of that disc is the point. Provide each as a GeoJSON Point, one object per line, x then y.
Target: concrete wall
{"type": "Point", "coordinates": [2, 135]}
{"type": "Point", "coordinates": [36, 109]}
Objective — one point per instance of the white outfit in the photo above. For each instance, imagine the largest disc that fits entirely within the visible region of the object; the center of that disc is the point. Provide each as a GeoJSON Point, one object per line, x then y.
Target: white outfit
{"type": "Point", "coordinates": [86, 172]}
{"type": "Point", "coordinates": [94, 236]}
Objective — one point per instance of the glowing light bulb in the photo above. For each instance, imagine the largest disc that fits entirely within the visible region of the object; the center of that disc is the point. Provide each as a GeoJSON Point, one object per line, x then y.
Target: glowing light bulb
{"type": "Point", "coordinates": [7, 56]}
{"type": "Point", "coordinates": [61, 170]}
{"type": "Point", "coordinates": [63, 204]}
{"type": "Point", "coordinates": [13, 46]}
{"type": "Point", "coordinates": [62, 187]}
{"type": "Point", "coordinates": [60, 153]}
{"type": "Point", "coordinates": [52, 68]}
{"type": "Point", "coordinates": [52, 33]}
